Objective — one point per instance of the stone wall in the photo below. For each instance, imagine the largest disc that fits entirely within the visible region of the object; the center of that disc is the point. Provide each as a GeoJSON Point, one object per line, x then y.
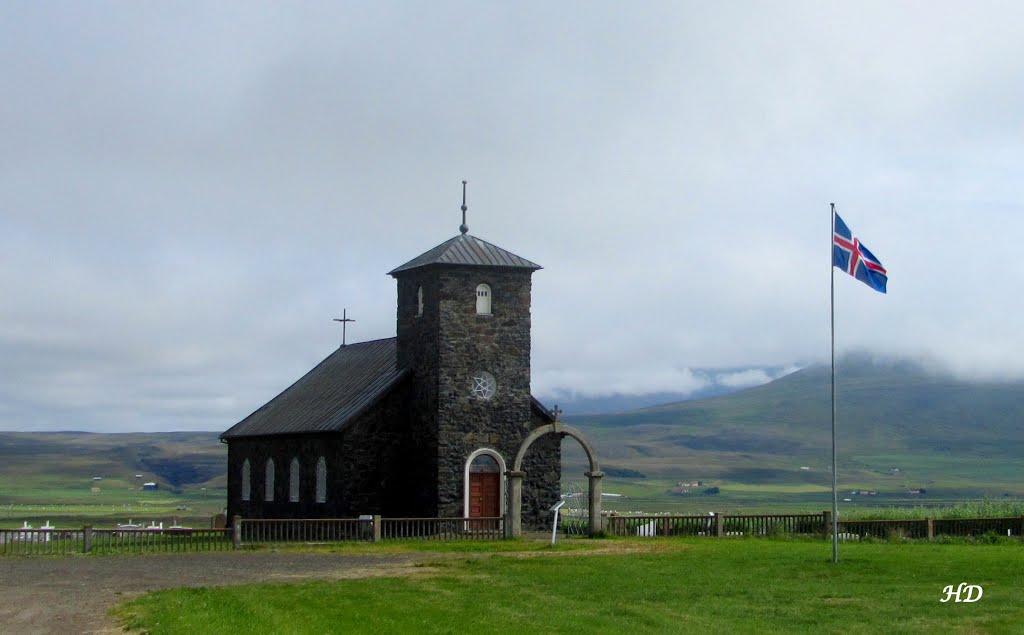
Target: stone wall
{"type": "Point", "coordinates": [445, 347]}
{"type": "Point", "coordinates": [499, 344]}
{"type": "Point", "coordinates": [417, 351]}
{"type": "Point", "coordinates": [374, 466]}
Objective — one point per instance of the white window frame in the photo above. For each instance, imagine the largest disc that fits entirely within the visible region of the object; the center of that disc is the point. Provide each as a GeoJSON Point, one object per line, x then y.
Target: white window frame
{"type": "Point", "coordinates": [484, 299]}
{"type": "Point", "coordinates": [501, 480]}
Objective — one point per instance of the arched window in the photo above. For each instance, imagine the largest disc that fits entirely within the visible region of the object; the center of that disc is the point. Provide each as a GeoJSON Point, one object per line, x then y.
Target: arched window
{"type": "Point", "coordinates": [483, 300]}
{"type": "Point", "coordinates": [484, 463]}
{"type": "Point", "coordinates": [321, 480]}
{"type": "Point", "coordinates": [293, 481]}
{"type": "Point", "coordinates": [268, 481]}
{"type": "Point", "coordinates": [246, 480]}
{"type": "Point", "coordinates": [419, 302]}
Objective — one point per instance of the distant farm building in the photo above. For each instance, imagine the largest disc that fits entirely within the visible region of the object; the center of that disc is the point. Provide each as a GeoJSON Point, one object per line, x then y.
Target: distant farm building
{"type": "Point", "coordinates": [149, 485]}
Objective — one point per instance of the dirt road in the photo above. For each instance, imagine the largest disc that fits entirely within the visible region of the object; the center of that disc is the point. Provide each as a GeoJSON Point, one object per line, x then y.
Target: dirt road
{"type": "Point", "coordinates": [73, 594]}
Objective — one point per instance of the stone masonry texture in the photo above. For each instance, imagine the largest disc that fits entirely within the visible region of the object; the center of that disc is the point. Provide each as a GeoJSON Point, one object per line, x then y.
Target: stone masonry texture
{"type": "Point", "coordinates": [406, 456]}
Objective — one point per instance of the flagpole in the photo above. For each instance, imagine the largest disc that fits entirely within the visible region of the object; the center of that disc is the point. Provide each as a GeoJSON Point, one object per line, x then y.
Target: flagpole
{"type": "Point", "coordinates": [832, 316]}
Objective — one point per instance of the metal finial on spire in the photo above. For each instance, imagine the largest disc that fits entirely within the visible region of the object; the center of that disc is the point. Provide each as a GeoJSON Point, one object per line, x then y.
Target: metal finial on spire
{"type": "Point", "coordinates": [464, 228]}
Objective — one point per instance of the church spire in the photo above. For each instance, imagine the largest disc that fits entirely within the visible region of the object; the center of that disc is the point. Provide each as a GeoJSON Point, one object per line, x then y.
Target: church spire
{"type": "Point", "coordinates": [464, 228]}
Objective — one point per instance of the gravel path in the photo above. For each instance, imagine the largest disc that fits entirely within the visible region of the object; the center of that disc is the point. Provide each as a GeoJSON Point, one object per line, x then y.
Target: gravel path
{"type": "Point", "coordinates": [73, 594]}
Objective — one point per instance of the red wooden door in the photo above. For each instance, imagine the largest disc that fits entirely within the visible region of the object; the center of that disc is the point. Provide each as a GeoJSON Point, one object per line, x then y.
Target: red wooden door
{"type": "Point", "coordinates": [484, 494]}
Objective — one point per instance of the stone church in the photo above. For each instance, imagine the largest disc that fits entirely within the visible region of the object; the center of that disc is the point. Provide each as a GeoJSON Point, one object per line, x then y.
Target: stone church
{"type": "Point", "coordinates": [424, 424]}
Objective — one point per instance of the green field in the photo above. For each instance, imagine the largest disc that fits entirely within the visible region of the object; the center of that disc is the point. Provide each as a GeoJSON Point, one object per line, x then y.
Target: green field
{"type": "Point", "coordinates": [766, 484]}
{"type": "Point", "coordinates": [74, 509]}
{"type": "Point", "coordinates": [74, 478]}
{"type": "Point", "coordinates": [768, 449]}
{"type": "Point", "coordinates": [675, 585]}
{"type": "Point", "coordinates": [75, 506]}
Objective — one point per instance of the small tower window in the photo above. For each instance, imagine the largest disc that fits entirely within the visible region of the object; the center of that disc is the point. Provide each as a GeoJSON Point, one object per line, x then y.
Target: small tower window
{"type": "Point", "coordinates": [483, 300]}
{"type": "Point", "coordinates": [246, 480]}
{"type": "Point", "coordinates": [268, 481]}
{"type": "Point", "coordinates": [293, 481]}
{"type": "Point", "coordinates": [419, 302]}
{"type": "Point", "coordinates": [321, 480]}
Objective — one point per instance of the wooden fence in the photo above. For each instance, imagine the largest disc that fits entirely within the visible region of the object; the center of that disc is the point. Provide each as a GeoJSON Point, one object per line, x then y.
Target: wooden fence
{"type": "Point", "coordinates": [151, 540]}
{"type": "Point", "coordinates": [443, 528]}
{"type": "Point", "coordinates": [930, 528]}
{"type": "Point", "coordinates": [368, 528]}
{"type": "Point", "coordinates": [267, 530]}
{"type": "Point", "coordinates": [32, 542]}
{"type": "Point", "coordinates": [718, 525]}
{"type": "Point", "coordinates": [51, 541]}
{"type": "Point", "coordinates": [249, 531]}
{"type": "Point", "coordinates": [810, 524]}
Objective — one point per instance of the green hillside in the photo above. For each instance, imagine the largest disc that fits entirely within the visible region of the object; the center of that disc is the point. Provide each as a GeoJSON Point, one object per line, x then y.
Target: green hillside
{"type": "Point", "coordinates": [68, 476]}
{"type": "Point", "coordinates": [899, 428]}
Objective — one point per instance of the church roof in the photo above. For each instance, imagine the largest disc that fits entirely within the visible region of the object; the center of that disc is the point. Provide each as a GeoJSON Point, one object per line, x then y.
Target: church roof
{"type": "Point", "coordinates": [467, 250]}
{"type": "Point", "coordinates": [339, 389]}
{"type": "Point", "coordinates": [336, 391]}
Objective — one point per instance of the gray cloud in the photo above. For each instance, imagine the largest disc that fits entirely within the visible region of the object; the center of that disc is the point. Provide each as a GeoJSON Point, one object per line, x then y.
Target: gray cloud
{"type": "Point", "coordinates": [189, 193]}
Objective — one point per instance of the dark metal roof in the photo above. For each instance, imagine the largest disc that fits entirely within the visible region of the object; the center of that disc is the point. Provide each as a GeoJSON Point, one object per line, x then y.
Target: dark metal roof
{"type": "Point", "coordinates": [339, 389]}
{"type": "Point", "coordinates": [467, 250]}
{"type": "Point", "coordinates": [542, 409]}
{"type": "Point", "coordinates": [336, 391]}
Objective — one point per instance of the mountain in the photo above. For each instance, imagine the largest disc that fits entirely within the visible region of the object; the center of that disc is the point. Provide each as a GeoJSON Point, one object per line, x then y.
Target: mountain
{"type": "Point", "coordinates": [708, 382]}
{"type": "Point", "coordinates": [900, 427]}
{"type": "Point", "coordinates": [893, 417]}
{"type": "Point", "coordinates": [42, 460]}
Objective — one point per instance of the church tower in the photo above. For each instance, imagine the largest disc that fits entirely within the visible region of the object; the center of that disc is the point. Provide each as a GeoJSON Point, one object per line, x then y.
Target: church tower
{"type": "Point", "coordinates": [426, 424]}
{"type": "Point", "coordinates": [464, 333]}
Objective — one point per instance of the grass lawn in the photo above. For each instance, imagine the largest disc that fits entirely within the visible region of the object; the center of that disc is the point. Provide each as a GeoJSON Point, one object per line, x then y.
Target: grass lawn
{"type": "Point", "coordinates": [654, 585]}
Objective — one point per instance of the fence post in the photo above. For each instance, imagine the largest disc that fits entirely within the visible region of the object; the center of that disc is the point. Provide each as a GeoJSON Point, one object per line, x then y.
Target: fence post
{"type": "Point", "coordinates": [376, 527]}
{"type": "Point", "coordinates": [719, 525]}
{"type": "Point", "coordinates": [931, 528]}
{"type": "Point", "coordinates": [236, 531]}
{"type": "Point", "coordinates": [87, 539]}
{"type": "Point", "coordinates": [826, 520]}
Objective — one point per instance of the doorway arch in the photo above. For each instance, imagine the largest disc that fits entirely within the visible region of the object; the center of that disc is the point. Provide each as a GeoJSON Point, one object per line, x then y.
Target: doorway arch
{"type": "Point", "coordinates": [468, 471]}
{"type": "Point", "coordinates": [514, 514]}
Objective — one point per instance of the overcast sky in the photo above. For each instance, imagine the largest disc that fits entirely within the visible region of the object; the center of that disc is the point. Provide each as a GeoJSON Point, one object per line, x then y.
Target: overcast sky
{"type": "Point", "coordinates": [190, 191]}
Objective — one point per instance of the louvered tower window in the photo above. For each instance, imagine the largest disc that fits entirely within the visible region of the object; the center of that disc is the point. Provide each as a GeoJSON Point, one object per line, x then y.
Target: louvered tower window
{"type": "Point", "coordinates": [483, 300]}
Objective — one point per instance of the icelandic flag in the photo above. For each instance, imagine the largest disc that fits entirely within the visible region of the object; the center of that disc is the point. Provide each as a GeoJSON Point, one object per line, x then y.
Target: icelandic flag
{"type": "Point", "coordinates": [850, 255]}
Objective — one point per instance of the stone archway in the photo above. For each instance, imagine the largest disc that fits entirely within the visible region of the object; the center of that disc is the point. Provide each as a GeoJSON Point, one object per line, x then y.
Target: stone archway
{"type": "Point", "coordinates": [514, 508]}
